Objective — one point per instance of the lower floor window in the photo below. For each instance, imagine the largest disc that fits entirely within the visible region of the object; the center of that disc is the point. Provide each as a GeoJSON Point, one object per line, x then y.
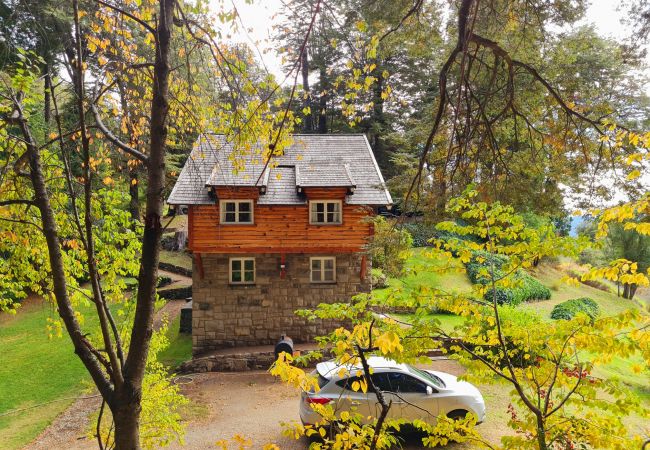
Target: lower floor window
{"type": "Point", "coordinates": [323, 269]}
{"type": "Point", "coordinates": [242, 270]}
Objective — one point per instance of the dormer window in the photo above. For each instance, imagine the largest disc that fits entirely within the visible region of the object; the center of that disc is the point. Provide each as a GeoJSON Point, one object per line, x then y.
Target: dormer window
{"type": "Point", "coordinates": [325, 212]}
{"type": "Point", "coordinates": [236, 211]}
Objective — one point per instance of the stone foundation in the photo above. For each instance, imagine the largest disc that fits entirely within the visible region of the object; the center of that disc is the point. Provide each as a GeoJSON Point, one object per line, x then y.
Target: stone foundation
{"type": "Point", "coordinates": [225, 315]}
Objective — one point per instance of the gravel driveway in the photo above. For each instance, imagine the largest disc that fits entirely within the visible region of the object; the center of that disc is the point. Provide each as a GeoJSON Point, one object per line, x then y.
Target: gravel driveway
{"type": "Point", "coordinates": [251, 404]}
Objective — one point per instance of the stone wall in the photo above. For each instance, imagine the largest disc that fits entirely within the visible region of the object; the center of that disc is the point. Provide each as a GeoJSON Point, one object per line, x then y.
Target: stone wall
{"type": "Point", "coordinates": [226, 315]}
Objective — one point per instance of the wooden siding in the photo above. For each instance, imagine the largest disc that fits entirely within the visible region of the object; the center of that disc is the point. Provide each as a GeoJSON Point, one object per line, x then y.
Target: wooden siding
{"type": "Point", "coordinates": [314, 193]}
{"type": "Point", "coordinates": [278, 229]}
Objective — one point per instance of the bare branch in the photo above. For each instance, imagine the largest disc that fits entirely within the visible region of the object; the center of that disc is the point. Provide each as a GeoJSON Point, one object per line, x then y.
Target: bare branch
{"type": "Point", "coordinates": [115, 140]}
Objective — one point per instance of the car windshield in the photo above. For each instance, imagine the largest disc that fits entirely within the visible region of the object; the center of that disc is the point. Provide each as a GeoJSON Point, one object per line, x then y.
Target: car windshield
{"type": "Point", "coordinates": [436, 381]}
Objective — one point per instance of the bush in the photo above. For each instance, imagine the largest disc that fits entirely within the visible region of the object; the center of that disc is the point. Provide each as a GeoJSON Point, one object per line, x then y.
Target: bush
{"type": "Point", "coordinates": [528, 288]}
{"type": "Point", "coordinates": [378, 279]}
{"type": "Point", "coordinates": [484, 260]}
{"type": "Point", "coordinates": [164, 281]}
{"type": "Point", "coordinates": [390, 247]}
{"type": "Point", "coordinates": [503, 296]}
{"type": "Point", "coordinates": [421, 233]}
{"type": "Point", "coordinates": [569, 309]}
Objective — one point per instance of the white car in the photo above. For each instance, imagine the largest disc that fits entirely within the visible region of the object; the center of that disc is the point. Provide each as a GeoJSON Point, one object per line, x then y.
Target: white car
{"type": "Point", "coordinates": [415, 393]}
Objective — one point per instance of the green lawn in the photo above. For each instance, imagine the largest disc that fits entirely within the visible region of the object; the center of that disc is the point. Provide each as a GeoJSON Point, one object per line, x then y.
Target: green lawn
{"type": "Point", "coordinates": [174, 223]}
{"type": "Point", "coordinates": [180, 259]}
{"type": "Point", "coordinates": [421, 273]}
{"type": "Point", "coordinates": [35, 370]}
{"type": "Point", "coordinates": [180, 346]}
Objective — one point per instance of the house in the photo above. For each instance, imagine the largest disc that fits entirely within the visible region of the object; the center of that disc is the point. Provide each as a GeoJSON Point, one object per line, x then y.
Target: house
{"type": "Point", "coordinates": [268, 240]}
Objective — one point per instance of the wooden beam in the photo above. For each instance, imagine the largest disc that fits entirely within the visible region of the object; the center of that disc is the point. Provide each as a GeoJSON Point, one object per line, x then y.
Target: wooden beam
{"type": "Point", "coordinates": [280, 250]}
{"type": "Point", "coordinates": [190, 226]}
{"type": "Point", "coordinates": [199, 264]}
{"type": "Point", "coordinates": [364, 267]}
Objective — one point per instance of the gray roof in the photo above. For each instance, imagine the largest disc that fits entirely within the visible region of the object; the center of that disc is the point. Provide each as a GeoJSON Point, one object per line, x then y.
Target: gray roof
{"type": "Point", "coordinates": [312, 160]}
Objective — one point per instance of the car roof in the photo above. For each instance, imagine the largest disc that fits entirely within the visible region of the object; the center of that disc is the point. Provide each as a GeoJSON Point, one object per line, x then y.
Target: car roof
{"type": "Point", "coordinates": [330, 369]}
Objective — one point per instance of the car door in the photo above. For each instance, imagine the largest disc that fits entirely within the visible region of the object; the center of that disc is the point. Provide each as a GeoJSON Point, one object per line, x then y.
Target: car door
{"type": "Point", "coordinates": [353, 401]}
{"type": "Point", "coordinates": [381, 382]}
{"type": "Point", "coordinates": [411, 396]}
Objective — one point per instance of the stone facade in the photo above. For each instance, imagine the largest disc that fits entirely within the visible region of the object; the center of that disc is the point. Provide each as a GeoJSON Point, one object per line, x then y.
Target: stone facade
{"type": "Point", "coordinates": [226, 315]}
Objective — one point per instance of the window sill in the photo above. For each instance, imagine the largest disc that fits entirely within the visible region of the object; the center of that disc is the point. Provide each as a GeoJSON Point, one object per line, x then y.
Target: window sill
{"type": "Point", "coordinates": [241, 285]}
{"type": "Point", "coordinates": [236, 223]}
{"type": "Point", "coordinates": [322, 283]}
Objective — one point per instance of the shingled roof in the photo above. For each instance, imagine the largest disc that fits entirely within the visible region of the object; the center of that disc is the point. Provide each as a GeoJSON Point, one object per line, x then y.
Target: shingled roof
{"type": "Point", "coordinates": [312, 160]}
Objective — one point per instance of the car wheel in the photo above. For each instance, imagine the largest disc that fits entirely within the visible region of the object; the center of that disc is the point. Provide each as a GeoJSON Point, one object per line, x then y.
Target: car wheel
{"type": "Point", "coordinates": [457, 414]}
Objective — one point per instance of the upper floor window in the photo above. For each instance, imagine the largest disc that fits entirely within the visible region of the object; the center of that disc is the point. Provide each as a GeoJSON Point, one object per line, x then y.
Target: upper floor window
{"type": "Point", "coordinates": [242, 270]}
{"type": "Point", "coordinates": [325, 212]}
{"type": "Point", "coordinates": [236, 211]}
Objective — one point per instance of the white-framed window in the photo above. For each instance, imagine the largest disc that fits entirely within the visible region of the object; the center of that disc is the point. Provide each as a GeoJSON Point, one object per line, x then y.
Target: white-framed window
{"type": "Point", "coordinates": [323, 269]}
{"type": "Point", "coordinates": [242, 270]}
{"type": "Point", "coordinates": [325, 212]}
{"type": "Point", "coordinates": [236, 211]}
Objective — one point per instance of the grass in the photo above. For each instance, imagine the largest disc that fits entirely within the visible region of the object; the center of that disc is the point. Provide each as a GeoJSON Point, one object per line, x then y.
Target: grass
{"type": "Point", "coordinates": [35, 370]}
{"type": "Point", "coordinates": [180, 346]}
{"type": "Point", "coordinates": [419, 275]}
{"type": "Point", "coordinates": [180, 259]}
{"type": "Point", "coordinates": [550, 276]}
{"type": "Point", "coordinates": [41, 377]}
{"type": "Point", "coordinates": [175, 223]}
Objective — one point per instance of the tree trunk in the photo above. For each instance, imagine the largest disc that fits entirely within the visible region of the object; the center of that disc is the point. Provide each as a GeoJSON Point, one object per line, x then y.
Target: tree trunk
{"type": "Point", "coordinates": [304, 68]}
{"type": "Point", "coordinates": [126, 409]}
{"type": "Point", "coordinates": [541, 433]}
{"type": "Point", "coordinates": [322, 103]}
{"type": "Point", "coordinates": [629, 289]}
{"type": "Point", "coordinates": [148, 276]}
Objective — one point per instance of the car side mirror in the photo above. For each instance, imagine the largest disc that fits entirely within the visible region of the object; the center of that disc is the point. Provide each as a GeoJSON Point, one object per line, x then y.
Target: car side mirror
{"type": "Point", "coordinates": [429, 390]}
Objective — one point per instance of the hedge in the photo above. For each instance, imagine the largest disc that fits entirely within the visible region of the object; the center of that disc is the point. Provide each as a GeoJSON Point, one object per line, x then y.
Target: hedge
{"type": "Point", "coordinates": [569, 309]}
{"type": "Point", "coordinates": [488, 261]}
{"type": "Point", "coordinates": [527, 288]}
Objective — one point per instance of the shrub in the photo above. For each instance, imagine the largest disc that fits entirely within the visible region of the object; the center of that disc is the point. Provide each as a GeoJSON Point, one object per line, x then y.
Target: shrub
{"type": "Point", "coordinates": [390, 247]}
{"type": "Point", "coordinates": [569, 309]}
{"type": "Point", "coordinates": [528, 288]}
{"type": "Point", "coordinates": [421, 233]}
{"type": "Point", "coordinates": [484, 260]}
{"type": "Point", "coordinates": [378, 279]}
{"type": "Point", "coordinates": [503, 296]}
{"type": "Point", "coordinates": [164, 281]}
